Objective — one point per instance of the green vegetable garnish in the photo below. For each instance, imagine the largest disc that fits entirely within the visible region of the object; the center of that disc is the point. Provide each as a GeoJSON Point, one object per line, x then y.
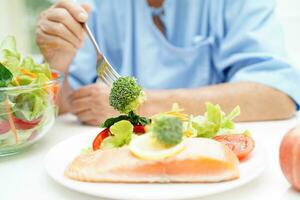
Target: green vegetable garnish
{"type": "Point", "coordinates": [126, 95]}
{"type": "Point", "coordinates": [5, 76]}
{"type": "Point", "coordinates": [214, 120]}
{"type": "Point", "coordinates": [131, 116]}
{"type": "Point", "coordinates": [121, 135]}
{"type": "Point", "coordinates": [167, 130]}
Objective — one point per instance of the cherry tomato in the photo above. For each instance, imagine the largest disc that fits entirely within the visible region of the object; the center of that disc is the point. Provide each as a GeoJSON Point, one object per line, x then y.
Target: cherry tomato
{"type": "Point", "coordinates": [25, 125]}
{"type": "Point", "coordinates": [54, 75]}
{"type": "Point", "coordinates": [139, 129]}
{"type": "Point", "coordinates": [4, 126]}
{"type": "Point", "coordinates": [240, 144]}
{"type": "Point", "coordinates": [99, 138]}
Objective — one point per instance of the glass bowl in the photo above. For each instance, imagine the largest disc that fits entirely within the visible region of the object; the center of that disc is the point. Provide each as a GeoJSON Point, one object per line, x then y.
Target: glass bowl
{"type": "Point", "coordinates": [27, 113]}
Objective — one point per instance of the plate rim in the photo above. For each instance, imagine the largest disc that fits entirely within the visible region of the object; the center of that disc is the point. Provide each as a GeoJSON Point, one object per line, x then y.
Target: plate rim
{"type": "Point", "coordinates": [226, 187]}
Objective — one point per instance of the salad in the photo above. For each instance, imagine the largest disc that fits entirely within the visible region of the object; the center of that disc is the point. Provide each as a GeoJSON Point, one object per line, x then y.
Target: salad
{"type": "Point", "coordinates": [28, 92]}
{"type": "Point", "coordinates": [165, 131]}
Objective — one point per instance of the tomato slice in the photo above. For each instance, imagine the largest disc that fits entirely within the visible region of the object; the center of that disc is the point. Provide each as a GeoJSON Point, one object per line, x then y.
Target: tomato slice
{"type": "Point", "coordinates": [25, 125]}
{"type": "Point", "coordinates": [99, 138]}
{"type": "Point", "coordinates": [4, 126]}
{"type": "Point", "coordinates": [240, 144]}
{"type": "Point", "coordinates": [139, 129]}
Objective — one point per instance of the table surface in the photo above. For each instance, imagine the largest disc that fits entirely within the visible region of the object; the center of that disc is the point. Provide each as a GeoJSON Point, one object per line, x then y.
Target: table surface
{"type": "Point", "coordinates": [23, 176]}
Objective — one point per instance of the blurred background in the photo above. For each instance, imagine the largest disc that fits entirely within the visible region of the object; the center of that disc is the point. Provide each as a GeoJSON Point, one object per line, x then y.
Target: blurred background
{"type": "Point", "coordinates": [18, 17]}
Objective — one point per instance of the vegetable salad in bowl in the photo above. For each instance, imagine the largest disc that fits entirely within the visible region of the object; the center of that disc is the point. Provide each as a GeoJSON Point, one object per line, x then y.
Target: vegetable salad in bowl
{"type": "Point", "coordinates": [28, 94]}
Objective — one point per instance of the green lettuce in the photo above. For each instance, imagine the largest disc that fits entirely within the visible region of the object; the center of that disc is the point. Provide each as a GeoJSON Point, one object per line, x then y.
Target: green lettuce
{"type": "Point", "coordinates": [12, 60]}
{"type": "Point", "coordinates": [214, 121]}
{"type": "Point", "coordinates": [30, 106]}
{"type": "Point", "coordinates": [9, 56]}
{"type": "Point", "coordinates": [9, 43]}
{"type": "Point", "coordinates": [29, 64]}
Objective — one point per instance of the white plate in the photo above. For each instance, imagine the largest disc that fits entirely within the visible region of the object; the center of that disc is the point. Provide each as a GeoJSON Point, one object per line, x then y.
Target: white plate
{"type": "Point", "coordinates": [63, 153]}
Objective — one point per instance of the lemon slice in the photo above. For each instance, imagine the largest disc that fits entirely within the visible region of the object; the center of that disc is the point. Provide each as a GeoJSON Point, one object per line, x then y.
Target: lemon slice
{"type": "Point", "coordinates": [146, 147]}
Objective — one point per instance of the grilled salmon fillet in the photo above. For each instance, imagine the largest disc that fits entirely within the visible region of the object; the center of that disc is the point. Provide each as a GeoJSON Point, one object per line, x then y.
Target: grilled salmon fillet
{"type": "Point", "coordinates": [202, 160]}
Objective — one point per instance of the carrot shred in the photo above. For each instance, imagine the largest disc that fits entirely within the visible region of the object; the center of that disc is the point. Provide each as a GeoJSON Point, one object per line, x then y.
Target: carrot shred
{"type": "Point", "coordinates": [28, 73]}
{"type": "Point", "coordinates": [10, 120]}
{"type": "Point", "coordinates": [17, 81]}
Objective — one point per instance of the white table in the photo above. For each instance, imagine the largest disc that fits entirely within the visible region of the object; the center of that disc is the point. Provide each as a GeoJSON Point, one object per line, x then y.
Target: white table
{"type": "Point", "coordinates": [23, 176]}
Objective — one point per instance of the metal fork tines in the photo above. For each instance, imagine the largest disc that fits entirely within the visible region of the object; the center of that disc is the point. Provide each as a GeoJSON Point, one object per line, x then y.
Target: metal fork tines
{"type": "Point", "coordinates": [106, 73]}
{"type": "Point", "coordinates": [104, 70]}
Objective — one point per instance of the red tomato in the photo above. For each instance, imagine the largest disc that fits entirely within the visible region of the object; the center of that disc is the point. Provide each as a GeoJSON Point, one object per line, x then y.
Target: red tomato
{"type": "Point", "coordinates": [240, 144]}
{"type": "Point", "coordinates": [54, 75]}
{"type": "Point", "coordinates": [99, 138]}
{"type": "Point", "coordinates": [4, 126]}
{"type": "Point", "coordinates": [25, 125]}
{"type": "Point", "coordinates": [139, 129]}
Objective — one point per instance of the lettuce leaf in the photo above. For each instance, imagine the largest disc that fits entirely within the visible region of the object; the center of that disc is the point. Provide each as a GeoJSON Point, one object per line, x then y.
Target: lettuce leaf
{"type": "Point", "coordinates": [30, 106]}
{"type": "Point", "coordinates": [9, 55]}
{"type": "Point", "coordinates": [23, 80]}
{"type": "Point", "coordinates": [214, 120]}
{"type": "Point", "coordinates": [189, 129]}
{"type": "Point", "coordinates": [9, 43]}
{"type": "Point", "coordinates": [29, 64]}
{"type": "Point", "coordinates": [13, 61]}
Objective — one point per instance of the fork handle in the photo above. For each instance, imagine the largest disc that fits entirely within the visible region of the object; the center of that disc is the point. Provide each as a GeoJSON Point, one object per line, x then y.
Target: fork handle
{"type": "Point", "coordinates": [94, 42]}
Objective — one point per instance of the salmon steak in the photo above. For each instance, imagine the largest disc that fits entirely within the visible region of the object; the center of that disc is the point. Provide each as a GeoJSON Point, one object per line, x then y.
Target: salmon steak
{"type": "Point", "coordinates": [201, 161]}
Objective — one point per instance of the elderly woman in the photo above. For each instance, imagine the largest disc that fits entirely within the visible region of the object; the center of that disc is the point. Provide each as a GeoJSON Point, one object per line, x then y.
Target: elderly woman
{"type": "Point", "coordinates": [226, 52]}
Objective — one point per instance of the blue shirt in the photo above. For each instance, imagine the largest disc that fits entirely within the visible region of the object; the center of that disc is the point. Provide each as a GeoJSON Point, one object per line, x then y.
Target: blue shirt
{"type": "Point", "coordinates": [206, 42]}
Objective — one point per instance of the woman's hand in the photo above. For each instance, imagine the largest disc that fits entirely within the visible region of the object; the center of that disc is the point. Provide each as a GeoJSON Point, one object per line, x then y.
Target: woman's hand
{"type": "Point", "coordinates": [60, 33]}
{"type": "Point", "coordinates": [91, 104]}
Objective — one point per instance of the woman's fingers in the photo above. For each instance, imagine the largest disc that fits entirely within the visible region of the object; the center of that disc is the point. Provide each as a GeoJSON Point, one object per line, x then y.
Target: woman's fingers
{"type": "Point", "coordinates": [78, 12]}
{"type": "Point", "coordinates": [61, 15]}
{"type": "Point", "coordinates": [87, 7]}
{"type": "Point", "coordinates": [59, 30]}
{"type": "Point", "coordinates": [93, 122]}
{"type": "Point", "coordinates": [80, 105]}
{"type": "Point", "coordinates": [60, 33]}
{"type": "Point", "coordinates": [64, 19]}
{"type": "Point", "coordinates": [89, 104]}
{"type": "Point", "coordinates": [90, 90]}
{"type": "Point", "coordinates": [86, 116]}
{"type": "Point", "coordinates": [49, 41]}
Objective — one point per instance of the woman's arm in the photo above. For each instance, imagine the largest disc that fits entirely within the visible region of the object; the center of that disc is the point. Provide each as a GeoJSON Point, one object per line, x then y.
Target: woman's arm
{"type": "Point", "coordinates": [258, 102]}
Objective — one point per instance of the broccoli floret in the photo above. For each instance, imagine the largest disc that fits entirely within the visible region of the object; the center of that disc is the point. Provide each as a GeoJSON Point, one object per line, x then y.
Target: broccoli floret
{"type": "Point", "coordinates": [168, 130]}
{"type": "Point", "coordinates": [126, 95]}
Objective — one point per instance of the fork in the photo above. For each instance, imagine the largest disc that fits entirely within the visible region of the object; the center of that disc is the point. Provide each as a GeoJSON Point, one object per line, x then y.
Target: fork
{"type": "Point", "coordinates": [104, 70]}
